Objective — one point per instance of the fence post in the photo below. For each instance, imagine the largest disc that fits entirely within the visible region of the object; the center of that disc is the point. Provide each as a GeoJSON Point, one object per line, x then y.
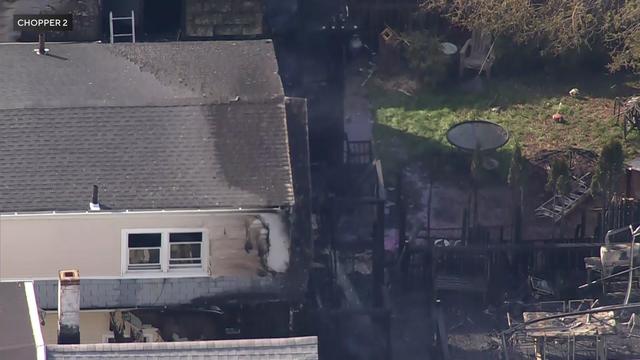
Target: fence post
{"type": "Point", "coordinates": [402, 220]}
{"type": "Point", "coordinates": [465, 226]}
{"type": "Point", "coordinates": [347, 150]}
{"type": "Point", "coordinates": [583, 224]}
{"type": "Point", "coordinates": [387, 323]}
{"type": "Point", "coordinates": [378, 256]}
{"type": "Point", "coordinates": [505, 351]}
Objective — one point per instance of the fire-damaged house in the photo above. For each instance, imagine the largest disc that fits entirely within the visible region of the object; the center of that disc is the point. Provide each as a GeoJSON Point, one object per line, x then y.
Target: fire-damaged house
{"type": "Point", "coordinates": [173, 177]}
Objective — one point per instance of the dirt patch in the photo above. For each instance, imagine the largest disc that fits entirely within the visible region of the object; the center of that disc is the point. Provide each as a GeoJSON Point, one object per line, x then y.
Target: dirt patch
{"type": "Point", "coordinates": [399, 83]}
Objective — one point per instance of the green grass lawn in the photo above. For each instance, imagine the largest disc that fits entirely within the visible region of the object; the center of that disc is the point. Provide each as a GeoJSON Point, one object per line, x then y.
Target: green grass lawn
{"type": "Point", "coordinates": [413, 128]}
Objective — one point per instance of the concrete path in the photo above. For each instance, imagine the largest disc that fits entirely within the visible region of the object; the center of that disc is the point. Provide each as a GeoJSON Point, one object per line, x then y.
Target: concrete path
{"type": "Point", "coordinates": [358, 115]}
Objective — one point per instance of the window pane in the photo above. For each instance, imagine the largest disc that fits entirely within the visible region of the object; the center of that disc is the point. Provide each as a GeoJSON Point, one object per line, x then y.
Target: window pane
{"type": "Point", "coordinates": [181, 251]}
{"type": "Point", "coordinates": [185, 237]}
{"type": "Point", "coordinates": [144, 240]}
{"type": "Point", "coordinates": [144, 258]}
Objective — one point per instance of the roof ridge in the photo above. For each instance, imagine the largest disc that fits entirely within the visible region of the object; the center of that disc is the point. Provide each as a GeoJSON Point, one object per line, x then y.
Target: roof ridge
{"type": "Point", "coordinates": [274, 100]}
{"type": "Point", "coordinates": [154, 43]}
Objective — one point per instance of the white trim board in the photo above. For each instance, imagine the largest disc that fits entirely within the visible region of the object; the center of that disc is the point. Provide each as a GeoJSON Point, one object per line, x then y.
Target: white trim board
{"type": "Point", "coordinates": [141, 276]}
{"type": "Point", "coordinates": [34, 318]}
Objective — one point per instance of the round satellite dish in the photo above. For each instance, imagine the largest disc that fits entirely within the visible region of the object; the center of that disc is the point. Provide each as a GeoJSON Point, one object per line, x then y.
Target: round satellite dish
{"type": "Point", "coordinates": [477, 134]}
{"type": "Point", "coordinates": [448, 48]}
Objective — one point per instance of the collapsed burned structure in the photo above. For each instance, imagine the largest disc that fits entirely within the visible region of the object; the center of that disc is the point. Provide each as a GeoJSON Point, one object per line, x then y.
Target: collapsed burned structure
{"type": "Point", "coordinates": [566, 293]}
{"type": "Point", "coordinates": [585, 328]}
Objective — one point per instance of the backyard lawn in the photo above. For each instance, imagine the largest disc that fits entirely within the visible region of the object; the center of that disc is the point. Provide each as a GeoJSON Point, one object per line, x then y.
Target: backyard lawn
{"type": "Point", "coordinates": [413, 127]}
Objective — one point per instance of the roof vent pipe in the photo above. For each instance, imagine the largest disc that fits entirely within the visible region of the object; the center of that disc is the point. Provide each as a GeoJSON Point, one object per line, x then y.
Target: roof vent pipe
{"type": "Point", "coordinates": [41, 50]}
{"type": "Point", "coordinates": [95, 204]}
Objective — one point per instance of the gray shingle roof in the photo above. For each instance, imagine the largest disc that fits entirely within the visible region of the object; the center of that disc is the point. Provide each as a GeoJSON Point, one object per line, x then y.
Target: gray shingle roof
{"type": "Point", "coordinates": [136, 120]}
{"type": "Point", "coordinates": [225, 155]}
{"type": "Point", "coordinates": [303, 348]}
{"type": "Point", "coordinates": [16, 337]}
{"type": "Point", "coordinates": [90, 74]}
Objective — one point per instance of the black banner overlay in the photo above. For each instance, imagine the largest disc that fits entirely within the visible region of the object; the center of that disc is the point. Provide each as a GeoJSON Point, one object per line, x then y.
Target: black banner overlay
{"type": "Point", "coordinates": [43, 23]}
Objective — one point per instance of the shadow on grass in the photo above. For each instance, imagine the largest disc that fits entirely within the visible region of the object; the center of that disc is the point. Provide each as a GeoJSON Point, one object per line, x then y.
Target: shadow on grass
{"type": "Point", "coordinates": [398, 149]}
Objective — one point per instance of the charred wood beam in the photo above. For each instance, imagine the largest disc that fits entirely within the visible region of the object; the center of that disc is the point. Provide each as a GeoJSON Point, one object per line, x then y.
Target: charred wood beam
{"type": "Point", "coordinates": [575, 313]}
{"type": "Point", "coordinates": [507, 247]}
{"type": "Point", "coordinates": [361, 311]}
{"type": "Point", "coordinates": [385, 6]}
{"type": "Point", "coordinates": [381, 192]}
{"type": "Point", "coordinates": [378, 257]}
{"type": "Point", "coordinates": [400, 209]}
{"type": "Point", "coordinates": [632, 255]}
{"type": "Point", "coordinates": [365, 200]}
{"type": "Point", "coordinates": [608, 277]}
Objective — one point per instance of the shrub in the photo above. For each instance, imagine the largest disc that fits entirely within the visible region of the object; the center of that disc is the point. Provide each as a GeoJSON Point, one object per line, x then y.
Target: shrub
{"type": "Point", "coordinates": [425, 58]}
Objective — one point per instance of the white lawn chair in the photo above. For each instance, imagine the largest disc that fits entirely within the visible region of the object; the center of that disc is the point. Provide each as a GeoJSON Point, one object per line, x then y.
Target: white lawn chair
{"type": "Point", "coordinates": [477, 51]}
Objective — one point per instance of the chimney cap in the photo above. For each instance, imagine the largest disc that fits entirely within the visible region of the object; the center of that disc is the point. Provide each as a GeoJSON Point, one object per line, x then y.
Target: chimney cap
{"type": "Point", "coordinates": [69, 277]}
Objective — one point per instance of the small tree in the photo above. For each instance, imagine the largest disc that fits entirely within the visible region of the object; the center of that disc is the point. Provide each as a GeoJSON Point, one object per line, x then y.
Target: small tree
{"type": "Point", "coordinates": [606, 180]}
{"type": "Point", "coordinates": [559, 182]}
{"type": "Point", "coordinates": [563, 188]}
{"type": "Point", "coordinates": [516, 179]}
{"type": "Point", "coordinates": [563, 185]}
{"type": "Point", "coordinates": [558, 168]}
{"type": "Point", "coordinates": [425, 58]}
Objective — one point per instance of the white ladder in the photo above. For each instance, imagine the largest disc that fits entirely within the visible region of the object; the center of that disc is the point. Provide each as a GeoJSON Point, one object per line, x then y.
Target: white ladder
{"type": "Point", "coordinates": [129, 18]}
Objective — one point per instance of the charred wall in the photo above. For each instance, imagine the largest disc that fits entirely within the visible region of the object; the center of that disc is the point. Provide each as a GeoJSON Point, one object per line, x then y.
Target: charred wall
{"type": "Point", "coordinates": [208, 18]}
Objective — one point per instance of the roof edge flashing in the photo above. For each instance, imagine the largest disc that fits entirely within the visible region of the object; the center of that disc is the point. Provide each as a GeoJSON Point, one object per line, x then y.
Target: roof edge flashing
{"type": "Point", "coordinates": [51, 213]}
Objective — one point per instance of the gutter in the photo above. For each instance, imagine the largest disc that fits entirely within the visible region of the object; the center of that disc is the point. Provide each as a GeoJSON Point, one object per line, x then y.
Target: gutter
{"type": "Point", "coordinates": [142, 212]}
{"type": "Point", "coordinates": [49, 42]}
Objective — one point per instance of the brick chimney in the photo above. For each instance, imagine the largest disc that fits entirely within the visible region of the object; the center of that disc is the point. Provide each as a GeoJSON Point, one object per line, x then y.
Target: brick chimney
{"type": "Point", "coordinates": [69, 307]}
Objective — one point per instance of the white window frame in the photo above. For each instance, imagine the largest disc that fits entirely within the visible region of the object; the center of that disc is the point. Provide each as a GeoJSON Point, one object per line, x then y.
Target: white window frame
{"type": "Point", "coordinates": [143, 248]}
{"type": "Point", "coordinates": [165, 254]}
